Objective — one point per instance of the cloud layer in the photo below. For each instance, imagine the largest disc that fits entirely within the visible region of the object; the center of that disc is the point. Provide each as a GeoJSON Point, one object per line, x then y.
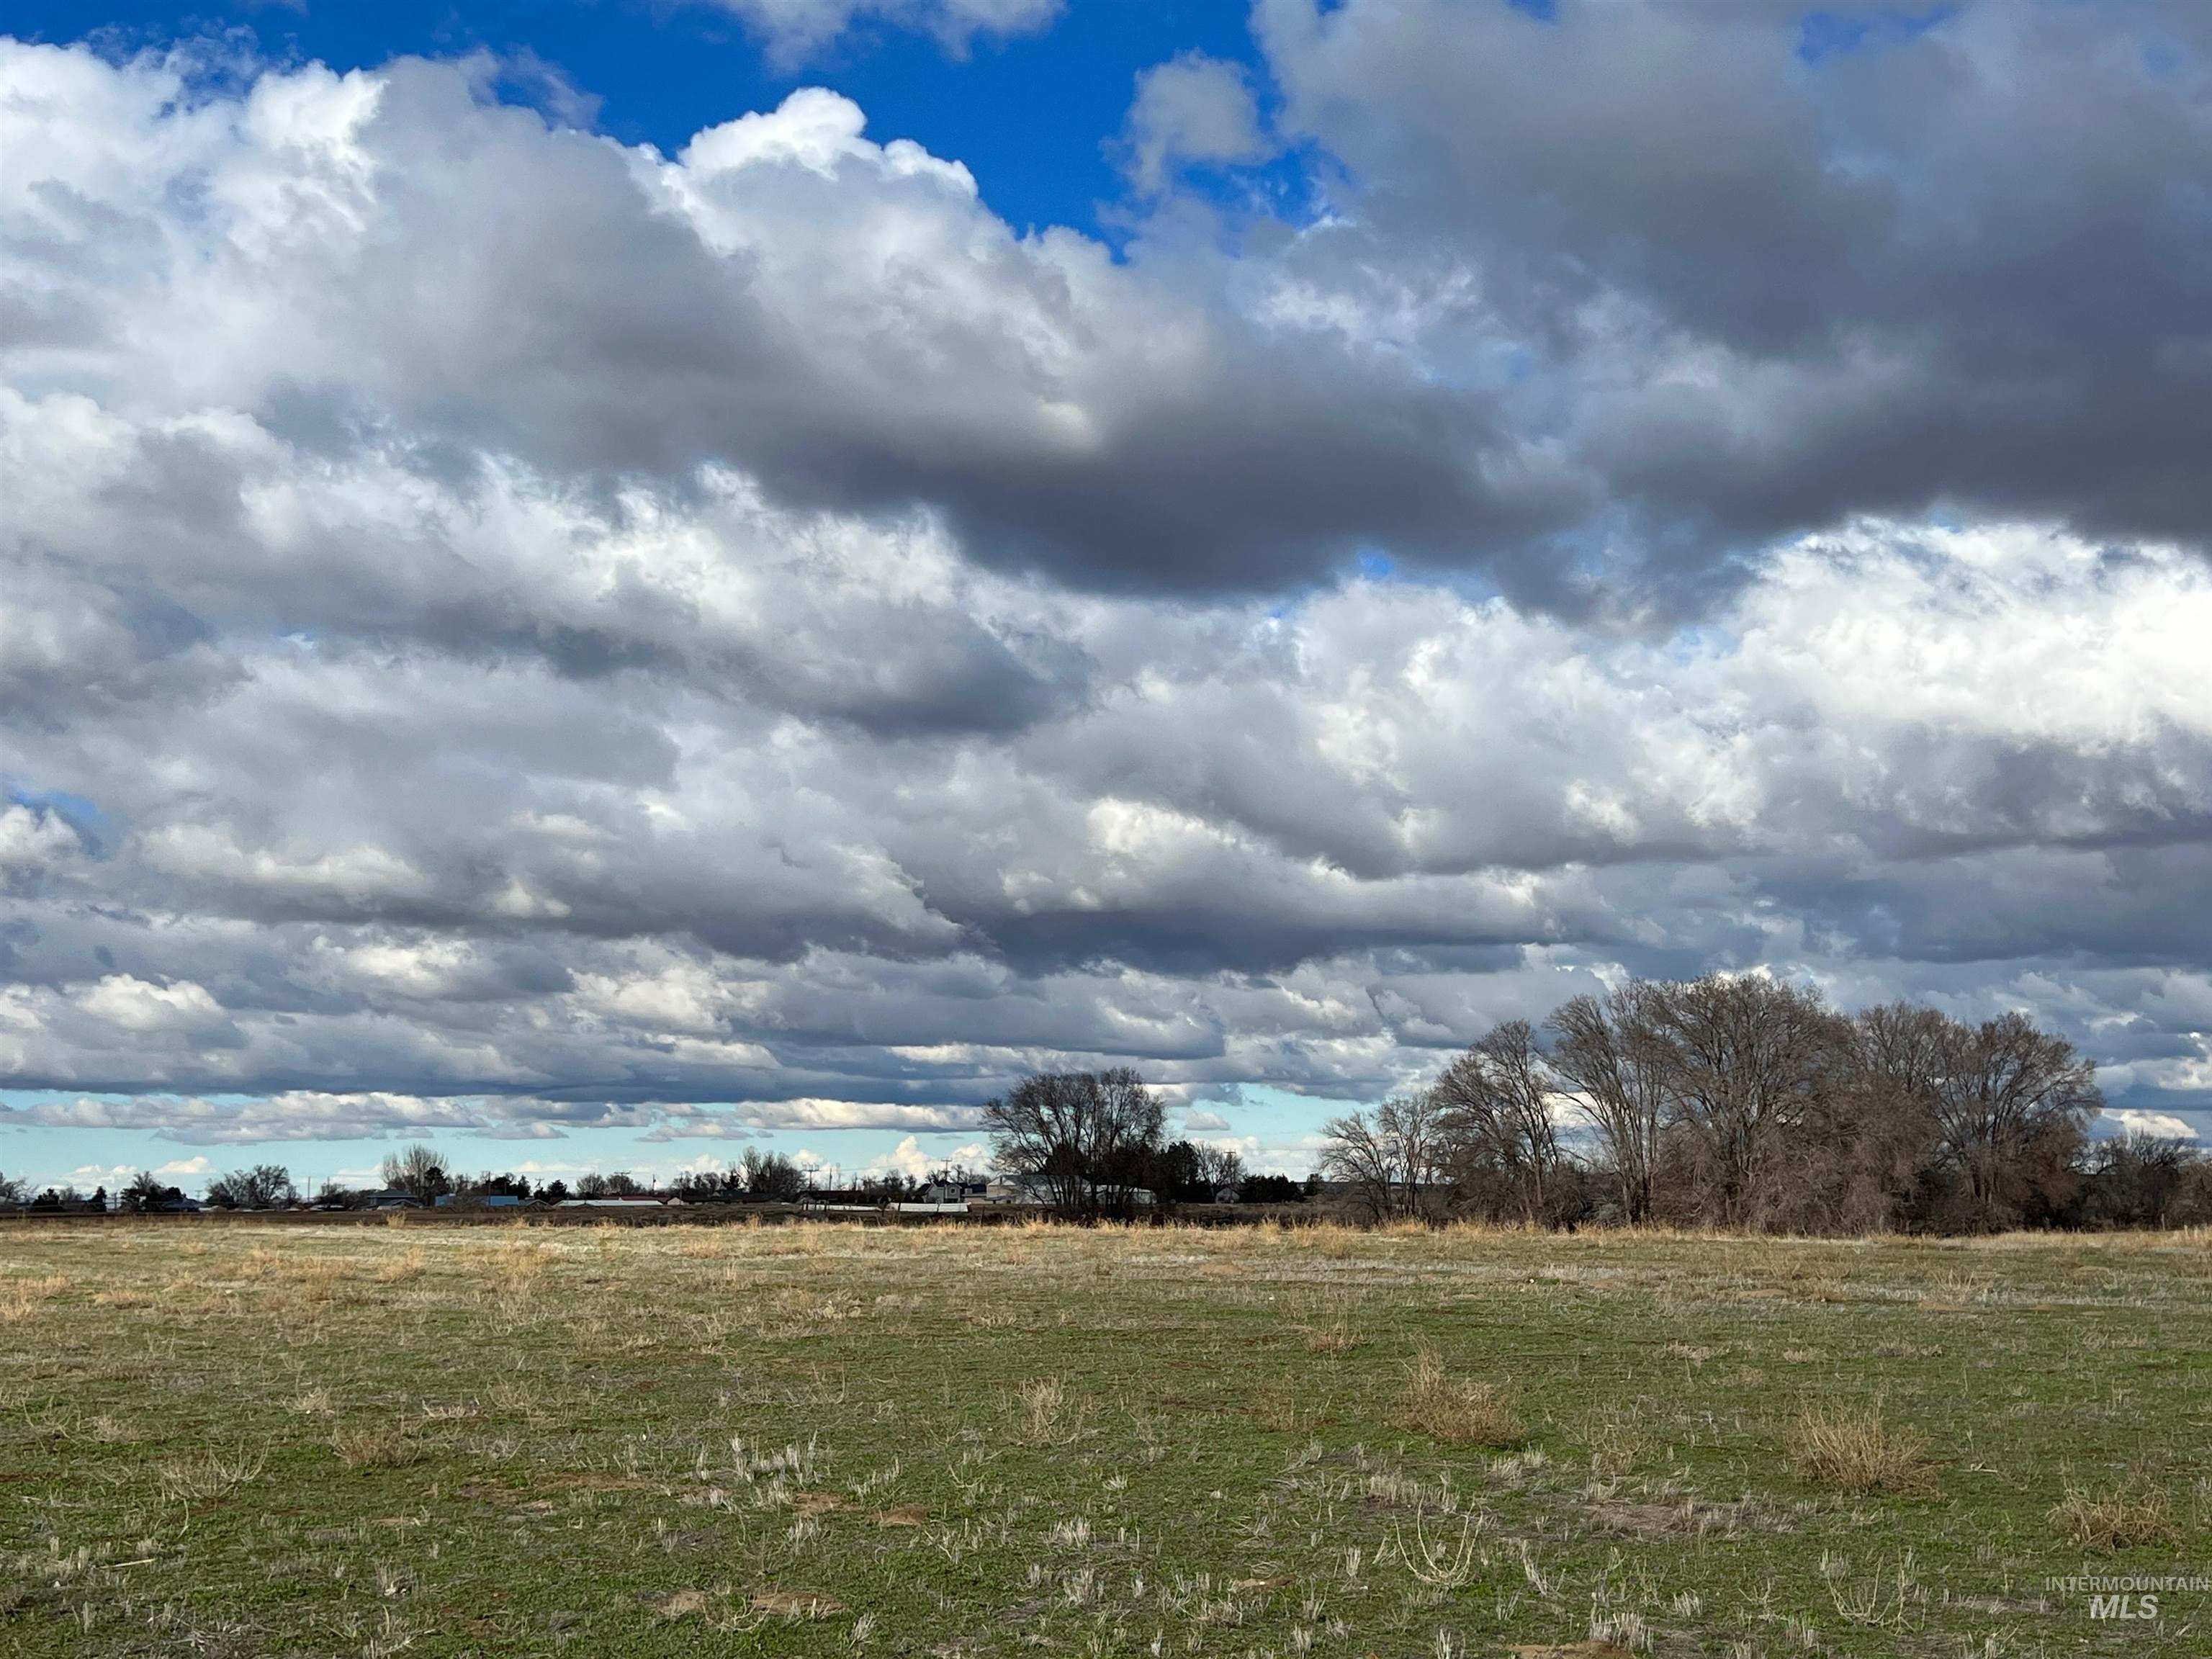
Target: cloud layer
{"type": "Point", "coordinates": [509, 632]}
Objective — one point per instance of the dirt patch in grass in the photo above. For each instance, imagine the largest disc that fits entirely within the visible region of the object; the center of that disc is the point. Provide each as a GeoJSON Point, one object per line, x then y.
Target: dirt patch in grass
{"type": "Point", "coordinates": [1688, 1517]}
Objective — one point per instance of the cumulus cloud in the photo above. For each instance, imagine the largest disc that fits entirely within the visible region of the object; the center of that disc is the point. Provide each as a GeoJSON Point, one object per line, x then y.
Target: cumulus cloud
{"type": "Point", "coordinates": [2164, 1126]}
{"type": "Point", "coordinates": [740, 642]}
{"type": "Point", "coordinates": [755, 301]}
{"type": "Point", "coordinates": [910, 1159]}
{"type": "Point", "coordinates": [1191, 108]}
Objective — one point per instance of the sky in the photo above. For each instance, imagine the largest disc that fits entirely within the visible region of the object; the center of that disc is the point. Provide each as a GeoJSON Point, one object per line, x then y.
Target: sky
{"type": "Point", "coordinates": [601, 584]}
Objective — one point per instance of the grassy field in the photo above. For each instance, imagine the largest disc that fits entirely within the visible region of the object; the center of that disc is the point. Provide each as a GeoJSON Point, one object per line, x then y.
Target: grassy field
{"type": "Point", "coordinates": [241, 1440]}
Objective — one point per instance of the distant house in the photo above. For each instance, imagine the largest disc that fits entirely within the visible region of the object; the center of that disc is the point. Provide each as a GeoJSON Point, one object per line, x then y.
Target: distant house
{"type": "Point", "coordinates": [391, 1199]}
{"type": "Point", "coordinates": [480, 1200]}
{"type": "Point", "coordinates": [620, 1201]}
{"type": "Point", "coordinates": [953, 1191]}
{"type": "Point", "coordinates": [1013, 1192]}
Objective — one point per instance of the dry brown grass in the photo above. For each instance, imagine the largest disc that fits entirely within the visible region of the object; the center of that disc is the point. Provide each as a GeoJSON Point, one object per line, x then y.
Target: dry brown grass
{"type": "Point", "coordinates": [191, 1479]}
{"type": "Point", "coordinates": [1045, 1416]}
{"type": "Point", "coordinates": [374, 1448]}
{"type": "Point", "coordinates": [517, 1268]}
{"type": "Point", "coordinates": [1280, 1406]}
{"type": "Point", "coordinates": [1856, 1449]}
{"type": "Point", "coordinates": [1335, 1337]}
{"type": "Point", "coordinates": [1457, 1410]}
{"type": "Point", "coordinates": [21, 1297]}
{"type": "Point", "coordinates": [2135, 1512]}
{"type": "Point", "coordinates": [403, 1269]}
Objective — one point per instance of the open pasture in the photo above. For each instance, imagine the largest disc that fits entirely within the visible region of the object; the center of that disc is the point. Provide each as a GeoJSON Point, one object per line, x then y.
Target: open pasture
{"type": "Point", "coordinates": [832, 1439]}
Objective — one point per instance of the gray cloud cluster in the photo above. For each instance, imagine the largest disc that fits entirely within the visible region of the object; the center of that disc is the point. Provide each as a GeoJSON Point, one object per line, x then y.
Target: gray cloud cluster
{"type": "Point", "coordinates": [1765, 266]}
{"type": "Point", "coordinates": [507, 633]}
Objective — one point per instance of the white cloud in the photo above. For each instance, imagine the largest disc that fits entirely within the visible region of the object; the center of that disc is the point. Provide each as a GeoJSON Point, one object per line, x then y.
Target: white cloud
{"type": "Point", "coordinates": [907, 1158]}
{"type": "Point", "coordinates": [134, 1004]}
{"type": "Point", "coordinates": [2138, 1121]}
{"type": "Point", "coordinates": [1192, 108]}
{"type": "Point", "coordinates": [33, 839]}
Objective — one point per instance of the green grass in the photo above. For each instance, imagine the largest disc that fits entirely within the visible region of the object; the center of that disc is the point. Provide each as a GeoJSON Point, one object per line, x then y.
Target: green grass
{"type": "Point", "coordinates": [251, 1440]}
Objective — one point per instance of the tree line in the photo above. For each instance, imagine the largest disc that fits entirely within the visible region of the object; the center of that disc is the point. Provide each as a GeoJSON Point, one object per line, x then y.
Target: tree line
{"type": "Point", "coordinates": [419, 1175]}
{"type": "Point", "coordinates": [1750, 1103]}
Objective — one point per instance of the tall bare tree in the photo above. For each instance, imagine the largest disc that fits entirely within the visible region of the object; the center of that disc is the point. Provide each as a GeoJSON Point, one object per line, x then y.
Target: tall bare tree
{"type": "Point", "coordinates": [1393, 1161]}
{"type": "Point", "coordinates": [1087, 1138]}
{"type": "Point", "coordinates": [1220, 1166]}
{"type": "Point", "coordinates": [2014, 1104]}
{"type": "Point", "coordinates": [1613, 1066]}
{"type": "Point", "coordinates": [1494, 1115]}
{"type": "Point", "coordinates": [1904, 1044]}
{"type": "Point", "coordinates": [417, 1171]}
{"type": "Point", "coordinates": [1745, 1059]}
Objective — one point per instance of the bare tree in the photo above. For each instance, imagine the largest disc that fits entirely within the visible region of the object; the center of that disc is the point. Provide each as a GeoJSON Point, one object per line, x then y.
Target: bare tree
{"type": "Point", "coordinates": [1744, 1059]}
{"type": "Point", "coordinates": [1391, 1162]}
{"type": "Point", "coordinates": [147, 1191]}
{"type": "Point", "coordinates": [1220, 1166]}
{"type": "Point", "coordinates": [418, 1172]}
{"type": "Point", "coordinates": [263, 1187]}
{"type": "Point", "coordinates": [615, 1184]}
{"type": "Point", "coordinates": [771, 1175]}
{"type": "Point", "coordinates": [1906, 1045]}
{"type": "Point", "coordinates": [1493, 1106]}
{"type": "Point", "coordinates": [1088, 1140]}
{"type": "Point", "coordinates": [1614, 1066]}
{"type": "Point", "coordinates": [2013, 1103]}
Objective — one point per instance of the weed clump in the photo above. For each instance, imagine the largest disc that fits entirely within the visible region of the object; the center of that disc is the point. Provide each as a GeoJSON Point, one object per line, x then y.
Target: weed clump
{"type": "Point", "coordinates": [1857, 1451]}
{"type": "Point", "coordinates": [2132, 1514]}
{"type": "Point", "coordinates": [1457, 1410]}
{"type": "Point", "coordinates": [373, 1448]}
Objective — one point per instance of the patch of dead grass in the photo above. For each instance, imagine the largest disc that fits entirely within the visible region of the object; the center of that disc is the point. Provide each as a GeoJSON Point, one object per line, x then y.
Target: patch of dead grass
{"type": "Point", "coordinates": [2135, 1512]}
{"type": "Point", "coordinates": [1856, 1449]}
{"type": "Point", "coordinates": [21, 1297]}
{"type": "Point", "coordinates": [374, 1447]}
{"type": "Point", "coordinates": [1456, 1410]}
{"type": "Point", "coordinates": [198, 1478]}
{"type": "Point", "coordinates": [1335, 1337]}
